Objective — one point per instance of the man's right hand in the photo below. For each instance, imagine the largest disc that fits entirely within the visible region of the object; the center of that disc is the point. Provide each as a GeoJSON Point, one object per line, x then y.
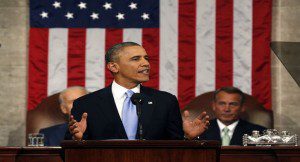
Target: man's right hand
{"type": "Point", "coordinates": [77, 128]}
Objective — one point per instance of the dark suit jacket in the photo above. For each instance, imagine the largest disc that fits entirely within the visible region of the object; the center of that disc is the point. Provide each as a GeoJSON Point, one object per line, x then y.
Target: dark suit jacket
{"type": "Point", "coordinates": [243, 127]}
{"type": "Point", "coordinates": [54, 134]}
{"type": "Point", "coordinates": [161, 118]}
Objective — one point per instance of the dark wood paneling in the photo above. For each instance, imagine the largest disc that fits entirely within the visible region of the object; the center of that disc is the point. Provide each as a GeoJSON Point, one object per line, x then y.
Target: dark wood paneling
{"type": "Point", "coordinates": [141, 151]}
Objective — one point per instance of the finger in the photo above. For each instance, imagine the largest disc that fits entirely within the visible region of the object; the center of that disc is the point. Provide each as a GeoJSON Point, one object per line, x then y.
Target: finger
{"type": "Point", "coordinates": [84, 117]}
{"type": "Point", "coordinates": [72, 122]}
{"type": "Point", "coordinates": [202, 115]}
{"type": "Point", "coordinates": [186, 116]}
{"type": "Point", "coordinates": [75, 131]}
{"type": "Point", "coordinates": [206, 118]}
{"type": "Point", "coordinates": [71, 117]}
{"type": "Point", "coordinates": [72, 127]}
{"type": "Point", "coordinates": [207, 123]}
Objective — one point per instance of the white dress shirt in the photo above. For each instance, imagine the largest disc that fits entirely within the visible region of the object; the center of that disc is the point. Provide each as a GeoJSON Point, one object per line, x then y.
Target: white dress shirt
{"type": "Point", "coordinates": [231, 128]}
{"type": "Point", "coordinates": [119, 95]}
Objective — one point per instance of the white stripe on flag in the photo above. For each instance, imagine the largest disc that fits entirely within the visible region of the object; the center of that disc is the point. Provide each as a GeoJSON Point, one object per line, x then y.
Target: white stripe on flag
{"type": "Point", "coordinates": [57, 60]}
{"type": "Point", "coordinates": [242, 45]}
{"type": "Point", "coordinates": [168, 71]}
{"type": "Point", "coordinates": [132, 35]}
{"type": "Point", "coordinates": [95, 59]}
{"type": "Point", "coordinates": [205, 47]}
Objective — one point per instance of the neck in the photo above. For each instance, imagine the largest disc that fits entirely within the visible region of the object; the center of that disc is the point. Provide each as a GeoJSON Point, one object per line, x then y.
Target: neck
{"type": "Point", "coordinates": [228, 123]}
{"type": "Point", "coordinates": [127, 85]}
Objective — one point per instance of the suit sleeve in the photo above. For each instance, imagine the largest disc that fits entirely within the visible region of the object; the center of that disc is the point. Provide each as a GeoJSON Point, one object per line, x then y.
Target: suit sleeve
{"type": "Point", "coordinates": [174, 128]}
{"type": "Point", "coordinates": [77, 112]}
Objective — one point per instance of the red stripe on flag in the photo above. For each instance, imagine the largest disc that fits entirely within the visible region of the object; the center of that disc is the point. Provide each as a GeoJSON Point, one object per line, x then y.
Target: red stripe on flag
{"type": "Point", "coordinates": [38, 68]}
{"type": "Point", "coordinates": [186, 51]}
{"type": "Point", "coordinates": [151, 45]}
{"type": "Point", "coordinates": [224, 43]}
{"type": "Point", "coordinates": [76, 57]}
{"type": "Point", "coordinates": [261, 61]}
{"type": "Point", "coordinates": [112, 37]}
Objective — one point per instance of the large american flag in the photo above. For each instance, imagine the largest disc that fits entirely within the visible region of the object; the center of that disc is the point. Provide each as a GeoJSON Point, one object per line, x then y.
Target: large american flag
{"type": "Point", "coordinates": [194, 46]}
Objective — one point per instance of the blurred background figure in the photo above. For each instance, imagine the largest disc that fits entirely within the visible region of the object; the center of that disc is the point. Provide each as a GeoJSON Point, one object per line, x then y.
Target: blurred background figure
{"type": "Point", "coordinates": [55, 134]}
{"type": "Point", "coordinates": [228, 127]}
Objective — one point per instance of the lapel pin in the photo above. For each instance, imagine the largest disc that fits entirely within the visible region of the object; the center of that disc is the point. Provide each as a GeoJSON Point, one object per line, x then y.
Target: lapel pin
{"type": "Point", "coordinates": [150, 102]}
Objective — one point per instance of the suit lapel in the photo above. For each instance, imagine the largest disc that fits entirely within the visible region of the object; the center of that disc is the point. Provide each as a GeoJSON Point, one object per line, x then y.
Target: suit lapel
{"type": "Point", "coordinates": [214, 131]}
{"type": "Point", "coordinates": [147, 108]}
{"type": "Point", "coordinates": [109, 109]}
{"type": "Point", "coordinates": [237, 134]}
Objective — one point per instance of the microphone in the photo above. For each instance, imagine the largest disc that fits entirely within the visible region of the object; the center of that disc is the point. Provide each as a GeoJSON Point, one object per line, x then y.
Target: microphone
{"type": "Point", "coordinates": [137, 99]}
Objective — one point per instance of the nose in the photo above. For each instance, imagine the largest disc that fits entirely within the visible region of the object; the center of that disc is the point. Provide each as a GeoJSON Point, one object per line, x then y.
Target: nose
{"type": "Point", "coordinates": [145, 63]}
{"type": "Point", "coordinates": [227, 108]}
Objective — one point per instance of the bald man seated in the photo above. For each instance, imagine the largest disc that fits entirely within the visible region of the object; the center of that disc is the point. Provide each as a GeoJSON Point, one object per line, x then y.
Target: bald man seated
{"type": "Point", "coordinates": [55, 134]}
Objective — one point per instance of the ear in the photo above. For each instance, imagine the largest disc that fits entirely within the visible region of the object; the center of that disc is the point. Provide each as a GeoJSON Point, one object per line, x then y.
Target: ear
{"type": "Point", "coordinates": [113, 67]}
{"type": "Point", "coordinates": [213, 105]}
{"type": "Point", "coordinates": [63, 109]}
{"type": "Point", "coordinates": [243, 109]}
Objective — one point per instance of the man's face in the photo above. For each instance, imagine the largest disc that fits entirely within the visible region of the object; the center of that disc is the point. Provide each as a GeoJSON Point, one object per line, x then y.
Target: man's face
{"type": "Point", "coordinates": [132, 66]}
{"type": "Point", "coordinates": [227, 107]}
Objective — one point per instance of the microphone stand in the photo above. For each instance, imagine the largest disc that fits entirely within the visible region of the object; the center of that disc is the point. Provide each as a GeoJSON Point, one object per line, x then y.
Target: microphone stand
{"type": "Point", "coordinates": [137, 99]}
{"type": "Point", "coordinates": [139, 113]}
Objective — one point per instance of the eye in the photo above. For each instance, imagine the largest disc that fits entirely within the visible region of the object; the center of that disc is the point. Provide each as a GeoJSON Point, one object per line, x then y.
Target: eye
{"type": "Point", "coordinates": [146, 58]}
{"type": "Point", "coordinates": [221, 103]}
{"type": "Point", "coordinates": [135, 58]}
{"type": "Point", "coordinates": [235, 104]}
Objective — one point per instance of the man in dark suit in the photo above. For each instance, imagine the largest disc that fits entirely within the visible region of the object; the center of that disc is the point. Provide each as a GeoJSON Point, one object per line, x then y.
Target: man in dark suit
{"type": "Point", "coordinates": [55, 134]}
{"type": "Point", "coordinates": [105, 114]}
{"type": "Point", "coordinates": [228, 127]}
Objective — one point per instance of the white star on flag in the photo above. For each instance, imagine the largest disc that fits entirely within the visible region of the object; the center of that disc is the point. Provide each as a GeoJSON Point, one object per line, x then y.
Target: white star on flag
{"type": "Point", "coordinates": [44, 14]}
{"type": "Point", "coordinates": [120, 16]}
{"type": "Point", "coordinates": [82, 5]}
{"type": "Point", "coordinates": [133, 6]}
{"type": "Point", "coordinates": [107, 6]}
{"type": "Point", "coordinates": [69, 15]}
{"type": "Point", "coordinates": [145, 16]}
{"type": "Point", "coordinates": [56, 4]}
{"type": "Point", "coordinates": [94, 16]}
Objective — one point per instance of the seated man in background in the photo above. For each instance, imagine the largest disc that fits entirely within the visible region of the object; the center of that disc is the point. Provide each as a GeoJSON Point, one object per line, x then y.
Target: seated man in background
{"type": "Point", "coordinates": [228, 128]}
{"type": "Point", "coordinates": [55, 134]}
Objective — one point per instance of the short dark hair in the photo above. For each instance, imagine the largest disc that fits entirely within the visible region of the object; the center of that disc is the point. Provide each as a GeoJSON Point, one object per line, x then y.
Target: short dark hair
{"type": "Point", "coordinates": [230, 90]}
{"type": "Point", "coordinates": [115, 49]}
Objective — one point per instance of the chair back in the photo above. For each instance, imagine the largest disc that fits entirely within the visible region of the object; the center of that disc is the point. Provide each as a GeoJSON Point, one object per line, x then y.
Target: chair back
{"type": "Point", "coordinates": [46, 114]}
{"type": "Point", "coordinates": [254, 111]}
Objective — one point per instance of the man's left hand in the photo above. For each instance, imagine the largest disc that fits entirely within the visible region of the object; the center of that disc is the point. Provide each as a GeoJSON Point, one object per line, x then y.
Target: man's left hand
{"type": "Point", "coordinates": [194, 128]}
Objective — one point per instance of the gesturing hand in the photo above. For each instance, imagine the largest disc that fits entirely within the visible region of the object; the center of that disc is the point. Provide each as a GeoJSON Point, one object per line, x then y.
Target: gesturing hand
{"type": "Point", "coordinates": [77, 128]}
{"type": "Point", "coordinates": [194, 128]}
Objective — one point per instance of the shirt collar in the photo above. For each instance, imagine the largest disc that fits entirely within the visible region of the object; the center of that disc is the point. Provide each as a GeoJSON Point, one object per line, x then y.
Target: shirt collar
{"type": "Point", "coordinates": [231, 127]}
{"type": "Point", "coordinates": [119, 91]}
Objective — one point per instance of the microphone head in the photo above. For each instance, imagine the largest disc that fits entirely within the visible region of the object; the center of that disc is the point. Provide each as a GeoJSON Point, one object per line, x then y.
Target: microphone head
{"type": "Point", "coordinates": [137, 98]}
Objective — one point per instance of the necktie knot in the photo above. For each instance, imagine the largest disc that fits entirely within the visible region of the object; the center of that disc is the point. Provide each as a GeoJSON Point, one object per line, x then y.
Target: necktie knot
{"type": "Point", "coordinates": [129, 93]}
{"type": "Point", "coordinates": [225, 130]}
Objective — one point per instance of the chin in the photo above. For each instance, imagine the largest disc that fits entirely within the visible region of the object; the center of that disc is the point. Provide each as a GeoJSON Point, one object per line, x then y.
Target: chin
{"type": "Point", "coordinates": [143, 81]}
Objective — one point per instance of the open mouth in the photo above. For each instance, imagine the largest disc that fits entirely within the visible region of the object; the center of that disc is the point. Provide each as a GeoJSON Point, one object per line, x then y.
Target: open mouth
{"type": "Point", "coordinates": [145, 71]}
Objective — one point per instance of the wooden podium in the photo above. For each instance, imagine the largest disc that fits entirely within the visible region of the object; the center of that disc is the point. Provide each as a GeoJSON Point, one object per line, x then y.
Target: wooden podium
{"type": "Point", "coordinates": [141, 151]}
